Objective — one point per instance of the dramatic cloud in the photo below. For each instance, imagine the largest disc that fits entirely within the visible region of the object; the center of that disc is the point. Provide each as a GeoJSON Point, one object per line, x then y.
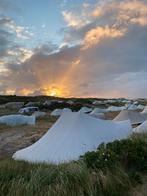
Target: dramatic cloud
{"type": "Point", "coordinates": [102, 53]}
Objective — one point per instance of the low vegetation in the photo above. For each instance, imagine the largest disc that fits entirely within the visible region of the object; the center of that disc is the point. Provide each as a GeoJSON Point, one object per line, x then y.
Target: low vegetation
{"type": "Point", "coordinates": [112, 170]}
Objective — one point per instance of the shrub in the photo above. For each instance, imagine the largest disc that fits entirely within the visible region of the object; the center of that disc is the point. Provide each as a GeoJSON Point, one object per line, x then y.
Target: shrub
{"type": "Point", "coordinates": [101, 159]}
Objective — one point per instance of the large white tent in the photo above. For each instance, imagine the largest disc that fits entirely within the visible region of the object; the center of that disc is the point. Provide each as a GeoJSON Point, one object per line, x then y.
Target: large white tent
{"type": "Point", "coordinates": [72, 135]}
{"type": "Point", "coordinates": [141, 128]}
{"type": "Point", "coordinates": [134, 116]}
{"type": "Point", "coordinates": [145, 110]}
{"type": "Point", "coordinates": [13, 120]}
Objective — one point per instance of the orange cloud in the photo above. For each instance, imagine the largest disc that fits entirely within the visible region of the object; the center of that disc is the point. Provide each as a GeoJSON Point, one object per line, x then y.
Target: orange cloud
{"type": "Point", "coordinates": [94, 36]}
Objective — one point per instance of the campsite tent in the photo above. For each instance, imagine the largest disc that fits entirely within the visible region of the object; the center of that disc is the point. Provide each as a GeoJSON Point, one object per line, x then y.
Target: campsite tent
{"type": "Point", "coordinates": [98, 110]}
{"type": "Point", "coordinates": [141, 128]}
{"type": "Point", "coordinates": [72, 135]}
{"type": "Point", "coordinates": [116, 108]}
{"type": "Point", "coordinates": [145, 110]}
{"type": "Point", "coordinates": [98, 115]}
{"type": "Point", "coordinates": [140, 107]}
{"type": "Point", "coordinates": [13, 120]}
{"type": "Point", "coordinates": [85, 110]}
{"type": "Point", "coordinates": [134, 116]}
{"type": "Point", "coordinates": [131, 106]}
{"type": "Point", "coordinates": [58, 112]}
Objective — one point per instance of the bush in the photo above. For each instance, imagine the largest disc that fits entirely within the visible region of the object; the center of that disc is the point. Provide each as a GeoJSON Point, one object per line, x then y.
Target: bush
{"type": "Point", "coordinates": [101, 159]}
{"type": "Point", "coordinates": [131, 153]}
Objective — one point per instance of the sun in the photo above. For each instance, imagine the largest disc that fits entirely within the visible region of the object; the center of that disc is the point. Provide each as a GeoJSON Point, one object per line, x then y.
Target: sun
{"type": "Point", "coordinates": [53, 93]}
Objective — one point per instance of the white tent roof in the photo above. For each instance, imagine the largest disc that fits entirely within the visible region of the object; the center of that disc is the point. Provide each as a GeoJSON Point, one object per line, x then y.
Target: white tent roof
{"type": "Point", "coordinates": [58, 112]}
{"type": "Point", "coordinates": [145, 110]}
{"type": "Point", "coordinates": [13, 120]}
{"type": "Point", "coordinates": [140, 107]}
{"type": "Point", "coordinates": [134, 116]}
{"type": "Point", "coordinates": [141, 128]}
{"type": "Point", "coordinates": [72, 135]}
{"type": "Point", "coordinates": [98, 110]}
{"type": "Point", "coordinates": [85, 110]}
{"type": "Point", "coordinates": [116, 108]}
{"type": "Point", "coordinates": [131, 106]}
{"type": "Point", "coordinates": [98, 115]}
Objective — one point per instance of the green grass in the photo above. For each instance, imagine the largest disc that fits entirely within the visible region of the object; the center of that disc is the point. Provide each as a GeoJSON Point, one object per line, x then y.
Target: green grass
{"type": "Point", "coordinates": [23, 179]}
{"type": "Point", "coordinates": [86, 177]}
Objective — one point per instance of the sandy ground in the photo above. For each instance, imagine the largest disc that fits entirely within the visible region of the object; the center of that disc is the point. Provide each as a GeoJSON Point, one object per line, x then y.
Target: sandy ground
{"type": "Point", "coordinates": [18, 137]}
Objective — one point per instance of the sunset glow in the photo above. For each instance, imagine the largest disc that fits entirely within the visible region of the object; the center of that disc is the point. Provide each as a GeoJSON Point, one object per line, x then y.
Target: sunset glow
{"type": "Point", "coordinates": [75, 48]}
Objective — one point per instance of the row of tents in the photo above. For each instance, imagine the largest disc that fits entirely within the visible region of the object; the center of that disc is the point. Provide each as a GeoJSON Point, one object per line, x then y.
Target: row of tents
{"type": "Point", "coordinates": [75, 133]}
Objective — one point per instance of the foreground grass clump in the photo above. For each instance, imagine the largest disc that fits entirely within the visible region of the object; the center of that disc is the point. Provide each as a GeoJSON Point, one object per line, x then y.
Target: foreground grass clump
{"type": "Point", "coordinates": [110, 171]}
{"type": "Point", "coordinates": [129, 154]}
{"type": "Point", "coordinates": [20, 178]}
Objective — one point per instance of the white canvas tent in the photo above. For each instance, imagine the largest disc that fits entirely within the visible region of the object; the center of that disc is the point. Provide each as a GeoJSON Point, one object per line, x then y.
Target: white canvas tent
{"type": "Point", "coordinates": [134, 116]}
{"type": "Point", "coordinates": [141, 128]}
{"type": "Point", "coordinates": [116, 108]}
{"type": "Point", "coordinates": [145, 110]}
{"type": "Point", "coordinates": [98, 110]}
{"type": "Point", "coordinates": [72, 135]}
{"type": "Point", "coordinates": [13, 120]}
{"type": "Point", "coordinates": [85, 110]}
{"type": "Point", "coordinates": [56, 112]}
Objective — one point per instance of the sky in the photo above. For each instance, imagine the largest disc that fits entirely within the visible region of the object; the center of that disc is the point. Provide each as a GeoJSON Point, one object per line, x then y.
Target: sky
{"type": "Point", "coordinates": [74, 48]}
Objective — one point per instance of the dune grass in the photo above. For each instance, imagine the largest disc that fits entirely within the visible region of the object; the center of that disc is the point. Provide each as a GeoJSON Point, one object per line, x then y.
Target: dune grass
{"type": "Point", "coordinates": [21, 178]}
{"type": "Point", "coordinates": [87, 177]}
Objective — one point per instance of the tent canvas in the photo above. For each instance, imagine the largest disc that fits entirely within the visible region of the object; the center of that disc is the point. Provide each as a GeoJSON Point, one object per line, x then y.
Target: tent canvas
{"type": "Point", "coordinates": [141, 128]}
{"type": "Point", "coordinates": [13, 120]}
{"type": "Point", "coordinates": [72, 135]}
{"type": "Point", "coordinates": [145, 110]}
{"type": "Point", "coordinates": [134, 116]}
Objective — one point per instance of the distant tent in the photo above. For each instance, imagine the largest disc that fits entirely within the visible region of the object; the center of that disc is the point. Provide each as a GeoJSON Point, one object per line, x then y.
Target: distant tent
{"type": "Point", "coordinates": [145, 110]}
{"type": "Point", "coordinates": [116, 108]}
{"type": "Point", "coordinates": [98, 110]}
{"type": "Point", "coordinates": [58, 112]}
{"type": "Point", "coordinates": [131, 106]}
{"type": "Point", "coordinates": [140, 107]}
{"type": "Point", "coordinates": [72, 135]}
{"type": "Point", "coordinates": [85, 110]}
{"type": "Point", "coordinates": [141, 128]}
{"type": "Point", "coordinates": [134, 116]}
{"type": "Point", "coordinates": [13, 120]}
{"type": "Point", "coordinates": [98, 115]}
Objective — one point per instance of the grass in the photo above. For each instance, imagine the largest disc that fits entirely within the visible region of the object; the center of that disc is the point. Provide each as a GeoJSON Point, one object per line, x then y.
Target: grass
{"type": "Point", "coordinates": [19, 178]}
